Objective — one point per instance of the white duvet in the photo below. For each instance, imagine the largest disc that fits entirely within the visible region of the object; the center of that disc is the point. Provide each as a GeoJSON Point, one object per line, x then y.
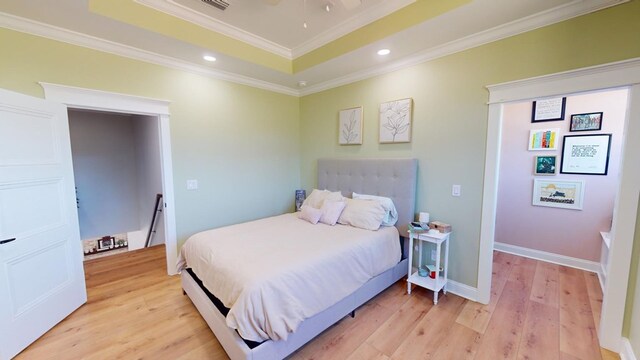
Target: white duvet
{"type": "Point", "coordinates": [275, 272]}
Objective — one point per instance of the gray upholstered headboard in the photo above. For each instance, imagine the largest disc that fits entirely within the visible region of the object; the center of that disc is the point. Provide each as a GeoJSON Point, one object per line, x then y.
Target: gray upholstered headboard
{"type": "Point", "coordinates": [393, 178]}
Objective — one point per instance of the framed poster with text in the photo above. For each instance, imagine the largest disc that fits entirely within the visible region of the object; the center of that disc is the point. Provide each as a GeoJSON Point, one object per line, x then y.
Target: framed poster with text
{"type": "Point", "coordinates": [586, 154]}
{"type": "Point", "coordinates": [548, 109]}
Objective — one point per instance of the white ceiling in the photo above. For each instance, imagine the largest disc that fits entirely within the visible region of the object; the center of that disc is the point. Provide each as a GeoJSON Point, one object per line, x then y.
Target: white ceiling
{"type": "Point", "coordinates": [470, 25]}
{"type": "Point", "coordinates": [282, 24]}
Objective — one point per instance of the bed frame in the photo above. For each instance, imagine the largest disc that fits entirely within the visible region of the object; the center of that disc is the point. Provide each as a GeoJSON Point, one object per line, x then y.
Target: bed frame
{"type": "Point", "coordinates": [394, 178]}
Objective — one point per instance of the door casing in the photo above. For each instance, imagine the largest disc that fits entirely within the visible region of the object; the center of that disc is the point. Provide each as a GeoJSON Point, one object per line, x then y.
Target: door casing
{"type": "Point", "coordinates": [89, 99]}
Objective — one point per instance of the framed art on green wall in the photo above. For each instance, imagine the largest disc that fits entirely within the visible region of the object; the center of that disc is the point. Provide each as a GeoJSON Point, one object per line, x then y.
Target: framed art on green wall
{"type": "Point", "coordinates": [395, 121]}
{"type": "Point", "coordinates": [350, 126]}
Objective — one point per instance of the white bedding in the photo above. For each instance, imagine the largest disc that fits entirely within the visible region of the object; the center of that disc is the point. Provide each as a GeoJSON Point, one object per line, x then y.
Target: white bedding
{"type": "Point", "coordinates": [275, 272]}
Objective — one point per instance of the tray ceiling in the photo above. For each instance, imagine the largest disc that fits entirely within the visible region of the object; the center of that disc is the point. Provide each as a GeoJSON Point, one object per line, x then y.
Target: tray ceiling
{"type": "Point", "coordinates": [326, 56]}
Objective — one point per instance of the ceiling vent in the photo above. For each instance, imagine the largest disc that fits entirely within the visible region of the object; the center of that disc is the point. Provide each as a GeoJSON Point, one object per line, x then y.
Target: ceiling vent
{"type": "Point", "coordinates": [220, 4]}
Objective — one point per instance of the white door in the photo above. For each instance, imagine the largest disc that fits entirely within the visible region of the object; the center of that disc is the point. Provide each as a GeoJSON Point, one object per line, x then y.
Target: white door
{"type": "Point", "coordinates": [41, 274]}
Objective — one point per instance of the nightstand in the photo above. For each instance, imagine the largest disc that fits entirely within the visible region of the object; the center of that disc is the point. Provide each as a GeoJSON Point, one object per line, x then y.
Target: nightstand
{"type": "Point", "coordinates": [440, 281]}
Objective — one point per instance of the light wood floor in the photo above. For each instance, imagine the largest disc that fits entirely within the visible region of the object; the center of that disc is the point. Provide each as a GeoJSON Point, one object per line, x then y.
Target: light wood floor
{"type": "Point", "coordinates": [538, 311]}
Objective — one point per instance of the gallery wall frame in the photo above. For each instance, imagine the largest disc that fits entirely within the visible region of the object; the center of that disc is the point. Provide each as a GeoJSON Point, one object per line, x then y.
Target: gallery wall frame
{"type": "Point", "coordinates": [586, 154]}
{"type": "Point", "coordinates": [586, 122]}
{"type": "Point", "coordinates": [543, 139]}
{"type": "Point", "coordinates": [545, 165]}
{"type": "Point", "coordinates": [565, 194]}
{"type": "Point", "coordinates": [551, 109]}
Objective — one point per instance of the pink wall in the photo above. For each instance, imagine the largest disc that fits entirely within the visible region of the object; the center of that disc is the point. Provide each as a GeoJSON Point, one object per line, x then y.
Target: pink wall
{"type": "Point", "coordinates": [574, 233]}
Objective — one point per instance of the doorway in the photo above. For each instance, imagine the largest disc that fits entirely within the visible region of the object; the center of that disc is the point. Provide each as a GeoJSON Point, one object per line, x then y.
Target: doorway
{"type": "Point", "coordinates": [608, 76]}
{"type": "Point", "coordinates": [116, 161]}
{"type": "Point", "coordinates": [570, 230]}
{"type": "Point", "coordinates": [95, 100]}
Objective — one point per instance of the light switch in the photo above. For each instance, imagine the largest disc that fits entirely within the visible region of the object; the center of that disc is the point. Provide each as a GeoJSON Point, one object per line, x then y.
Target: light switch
{"type": "Point", "coordinates": [456, 190]}
{"type": "Point", "coordinates": [192, 184]}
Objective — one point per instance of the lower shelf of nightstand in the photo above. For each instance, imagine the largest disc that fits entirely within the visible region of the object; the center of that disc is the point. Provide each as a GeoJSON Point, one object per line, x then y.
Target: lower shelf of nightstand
{"type": "Point", "coordinates": [427, 282]}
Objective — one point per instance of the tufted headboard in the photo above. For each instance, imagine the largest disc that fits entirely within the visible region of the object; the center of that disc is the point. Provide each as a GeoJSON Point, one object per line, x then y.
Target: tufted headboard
{"type": "Point", "coordinates": [393, 178]}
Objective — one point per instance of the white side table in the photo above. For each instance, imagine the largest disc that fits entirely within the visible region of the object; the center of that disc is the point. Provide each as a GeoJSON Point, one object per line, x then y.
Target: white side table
{"type": "Point", "coordinates": [440, 281]}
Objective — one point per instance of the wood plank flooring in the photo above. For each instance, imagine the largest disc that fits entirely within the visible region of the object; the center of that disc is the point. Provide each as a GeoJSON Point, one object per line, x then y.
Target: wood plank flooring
{"type": "Point", "coordinates": [537, 311]}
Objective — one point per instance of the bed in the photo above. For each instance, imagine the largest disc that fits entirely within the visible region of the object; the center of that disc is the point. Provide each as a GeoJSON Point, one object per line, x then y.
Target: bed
{"type": "Point", "coordinates": [394, 178]}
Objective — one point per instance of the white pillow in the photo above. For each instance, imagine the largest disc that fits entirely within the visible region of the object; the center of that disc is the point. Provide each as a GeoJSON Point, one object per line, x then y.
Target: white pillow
{"type": "Point", "coordinates": [331, 211]}
{"type": "Point", "coordinates": [318, 197]}
{"type": "Point", "coordinates": [391, 217]}
{"type": "Point", "coordinates": [310, 214]}
{"type": "Point", "coordinates": [364, 214]}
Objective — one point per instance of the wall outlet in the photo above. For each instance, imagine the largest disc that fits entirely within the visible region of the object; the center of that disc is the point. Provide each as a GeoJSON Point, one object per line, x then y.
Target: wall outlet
{"type": "Point", "coordinates": [192, 184]}
{"type": "Point", "coordinates": [434, 253]}
{"type": "Point", "coordinates": [456, 190]}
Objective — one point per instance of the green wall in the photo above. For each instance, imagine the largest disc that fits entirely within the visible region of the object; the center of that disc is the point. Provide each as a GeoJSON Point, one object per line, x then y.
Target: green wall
{"type": "Point", "coordinates": [241, 143]}
{"type": "Point", "coordinates": [450, 113]}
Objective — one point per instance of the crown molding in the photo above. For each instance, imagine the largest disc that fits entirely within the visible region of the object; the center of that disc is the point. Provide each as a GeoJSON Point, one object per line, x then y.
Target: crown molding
{"type": "Point", "coordinates": [352, 24]}
{"type": "Point", "coordinates": [186, 13]}
{"type": "Point", "coordinates": [74, 38]}
{"type": "Point", "coordinates": [558, 14]}
{"type": "Point", "coordinates": [172, 8]}
{"type": "Point", "coordinates": [609, 75]}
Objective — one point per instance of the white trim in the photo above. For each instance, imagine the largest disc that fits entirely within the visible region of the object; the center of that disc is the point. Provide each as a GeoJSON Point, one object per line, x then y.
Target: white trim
{"type": "Point", "coordinates": [349, 25]}
{"type": "Point", "coordinates": [624, 223]}
{"type": "Point", "coordinates": [186, 13]}
{"type": "Point", "coordinates": [74, 38]}
{"type": "Point", "coordinates": [532, 22]}
{"type": "Point", "coordinates": [581, 264]}
{"type": "Point", "coordinates": [463, 290]}
{"type": "Point", "coordinates": [581, 80]}
{"type": "Point", "coordinates": [489, 203]}
{"type": "Point", "coordinates": [602, 276]}
{"type": "Point", "coordinates": [80, 98]}
{"type": "Point", "coordinates": [627, 351]}
{"type": "Point", "coordinates": [171, 241]}
{"type": "Point", "coordinates": [620, 74]}
{"type": "Point", "coordinates": [96, 99]}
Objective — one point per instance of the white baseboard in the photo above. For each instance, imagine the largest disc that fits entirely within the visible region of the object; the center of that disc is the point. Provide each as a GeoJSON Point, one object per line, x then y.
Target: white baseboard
{"type": "Point", "coordinates": [602, 276]}
{"type": "Point", "coordinates": [627, 351]}
{"type": "Point", "coordinates": [462, 290]}
{"type": "Point", "coordinates": [581, 264]}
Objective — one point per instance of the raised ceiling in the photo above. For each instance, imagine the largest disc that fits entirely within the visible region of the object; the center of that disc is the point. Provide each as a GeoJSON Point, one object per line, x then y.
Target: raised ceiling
{"type": "Point", "coordinates": [266, 46]}
{"type": "Point", "coordinates": [281, 22]}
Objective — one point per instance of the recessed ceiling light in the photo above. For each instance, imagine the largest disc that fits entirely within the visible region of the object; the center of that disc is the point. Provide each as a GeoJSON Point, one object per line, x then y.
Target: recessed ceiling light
{"type": "Point", "coordinates": [384, 52]}
{"type": "Point", "coordinates": [302, 83]}
{"type": "Point", "coordinates": [209, 58]}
